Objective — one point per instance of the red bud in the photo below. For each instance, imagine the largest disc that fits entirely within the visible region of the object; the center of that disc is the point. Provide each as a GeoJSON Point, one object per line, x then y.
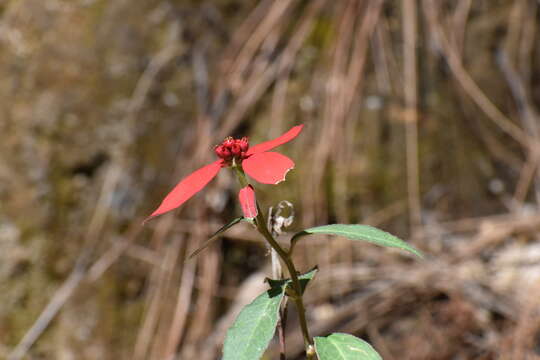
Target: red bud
{"type": "Point", "coordinates": [222, 152]}
{"type": "Point", "coordinates": [235, 150]}
{"type": "Point", "coordinates": [244, 143]}
{"type": "Point", "coordinates": [228, 142]}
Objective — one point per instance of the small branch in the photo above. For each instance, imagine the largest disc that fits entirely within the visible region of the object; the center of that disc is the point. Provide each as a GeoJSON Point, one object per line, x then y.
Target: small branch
{"type": "Point", "coordinates": [277, 273]}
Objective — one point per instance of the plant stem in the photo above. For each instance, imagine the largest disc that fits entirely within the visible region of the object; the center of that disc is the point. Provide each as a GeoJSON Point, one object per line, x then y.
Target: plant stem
{"type": "Point", "coordinates": [281, 331]}
{"type": "Point", "coordinates": [260, 222]}
{"type": "Point", "coordinates": [292, 271]}
{"type": "Point", "coordinates": [277, 273]}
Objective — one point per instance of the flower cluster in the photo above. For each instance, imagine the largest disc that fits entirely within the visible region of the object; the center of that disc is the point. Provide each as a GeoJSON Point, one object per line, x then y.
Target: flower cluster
{"type": "Point", "coordinates": [232, 149]}
{"type": "Point", "coordinates": [264, 166]}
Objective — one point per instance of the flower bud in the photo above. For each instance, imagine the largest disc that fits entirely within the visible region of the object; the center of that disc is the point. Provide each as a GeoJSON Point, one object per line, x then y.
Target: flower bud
{"type": "Point", "coordinates": [226, 154]}
{"type": "Point", "coordinates": [228, 142]}
{"type": "Point", "coordinates": [222, 152]}
{"type": "Point", "coordinates": [243, 143]}
{"type": "Point", "coordinates": [218, 149]}
{"type": "Point", "coordinates": [235, 150]}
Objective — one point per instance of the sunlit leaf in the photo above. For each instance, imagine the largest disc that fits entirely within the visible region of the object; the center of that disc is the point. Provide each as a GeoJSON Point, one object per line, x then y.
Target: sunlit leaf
{"type": "Point", "coordinates": [339, 346]}
{"type": "Point", "coordinates": [358, 232]}
{"type": "Point", "coordinates": [254, 327]}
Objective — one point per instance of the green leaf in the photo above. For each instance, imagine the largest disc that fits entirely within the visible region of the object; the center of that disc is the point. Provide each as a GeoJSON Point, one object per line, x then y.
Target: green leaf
{"type": "Point", "coordinates": [216, 236]}
{"type": "Point", "coordinates": [339, 346]}
{"type": "Point", "coordinates": [304, 279]}
{"type": "Point", "coordinates": [254, 327]}
{"type": "Point", "coordinates": [358, 232]}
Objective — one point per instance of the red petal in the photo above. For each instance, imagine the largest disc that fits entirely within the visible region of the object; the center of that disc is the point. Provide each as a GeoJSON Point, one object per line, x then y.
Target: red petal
{"type": "Point", "coordinates": [268, 167]}
{"type": "Point", "coordinates": [187, 187]}
{"type": "Point", "coordinates": [268, 145]}
{"type": "Point", "coordinates": [247, 200]}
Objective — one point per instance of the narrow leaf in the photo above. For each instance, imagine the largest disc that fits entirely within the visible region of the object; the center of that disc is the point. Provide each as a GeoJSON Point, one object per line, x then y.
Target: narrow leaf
{"type": "Point", "coordinates": [358, 232]}
{"type": "Point", "coordinates": [339, 346]}
{"type": "Point", "coordinates": [216, 236]}
{"type": "Point", "coordinates": [254, 327]}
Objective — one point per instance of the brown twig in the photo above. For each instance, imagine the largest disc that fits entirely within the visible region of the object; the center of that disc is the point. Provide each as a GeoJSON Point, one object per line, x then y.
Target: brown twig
{"type": "Point", "coordinates": [411, 113]}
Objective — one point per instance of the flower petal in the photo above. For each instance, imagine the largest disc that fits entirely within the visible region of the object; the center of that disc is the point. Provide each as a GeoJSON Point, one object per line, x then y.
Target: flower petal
{"type": "Point", "coordinates": [187, 187]}
{"type": "Point", "coordinates": [268, 167]}
{"type": "Point", "coordinates": [269, 145]}
{"type": "Point", "coordinates": [247, 201]}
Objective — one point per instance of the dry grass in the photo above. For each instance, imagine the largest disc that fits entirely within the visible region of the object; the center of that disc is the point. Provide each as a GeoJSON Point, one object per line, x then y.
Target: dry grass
{"type": "Point", "coordinates": [421, 119]}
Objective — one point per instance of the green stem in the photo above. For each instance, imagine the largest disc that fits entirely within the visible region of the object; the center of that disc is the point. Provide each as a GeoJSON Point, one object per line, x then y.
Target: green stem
{"type": "Point", "coordinates": [260, 222]}
{"type": "Point", "coordinates": [292, 271]}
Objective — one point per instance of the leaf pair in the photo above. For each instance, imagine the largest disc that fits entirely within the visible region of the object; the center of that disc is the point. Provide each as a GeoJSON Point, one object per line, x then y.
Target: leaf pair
{"type": "Point", "coordinates": [255, 326]}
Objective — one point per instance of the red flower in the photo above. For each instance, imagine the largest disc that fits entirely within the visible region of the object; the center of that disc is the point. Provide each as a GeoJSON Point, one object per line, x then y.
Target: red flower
{"type": "Point", "coordinates": [262, 165]}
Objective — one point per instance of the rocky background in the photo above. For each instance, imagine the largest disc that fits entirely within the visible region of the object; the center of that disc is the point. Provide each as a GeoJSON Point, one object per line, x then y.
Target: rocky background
{"type": "Point", "coordinates": [421, 118]}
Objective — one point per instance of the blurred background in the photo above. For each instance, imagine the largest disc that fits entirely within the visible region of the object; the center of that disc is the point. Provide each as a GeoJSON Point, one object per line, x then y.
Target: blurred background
{"type": "Point", "coordinates": [421, 119]}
